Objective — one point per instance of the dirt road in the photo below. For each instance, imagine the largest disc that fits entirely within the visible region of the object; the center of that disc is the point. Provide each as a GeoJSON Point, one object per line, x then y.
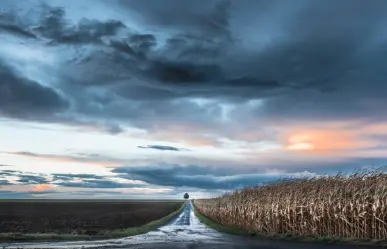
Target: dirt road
{"type": "Point", "coordinates": [186, 232]}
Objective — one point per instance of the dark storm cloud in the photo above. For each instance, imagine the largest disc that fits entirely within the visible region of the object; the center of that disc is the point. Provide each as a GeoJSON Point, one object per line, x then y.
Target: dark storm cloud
{"type": "Point", "coordinates": [174, 72]}
{"type": "Point", "coordinates": [114, 129]}
{"type": "Point", "coordinates": [314, 53]}
{"type": "Point", "coordinates": [8, 172]}
{"type": "Point", "coordinates": [76, 176]}
{"type": "Point", "coordinates": [228, 178]}
{"type": "Point", "coordinates": [193, 176]}
{"type": "Point", "coordinates": [65, 180]}
{"type": "Point", "coordinates": [188, 73]}
{"type": "Point", "coordinates": [21, 97]}
{"type": "Point", "coordinates": [32, 179]}
{"type": "Point", "coordinates": [53, 25]}
{"type": "Point", "coordinates": [303, 62]}
{"type": "Point", "coordinates": [138, 45]}
{"type": "Point", "coordinates": [91, 183]}
{"type": "Point", "coordinates": [162, 147]}
{"type": "Point", "coordinates": [209, 17]}
{"type": "Point", "coordinates": [4, 183]}
{"type": "Point", "coordinates": [22, 178]}
{"type": "Point", "coordinates": [147, 113]}
{"type": "Point", "coordinates": [16, 30]}
{"type": "Point", "coordinates": [304, 59]}
{"type": "Point", "coordinates": [10, 23]}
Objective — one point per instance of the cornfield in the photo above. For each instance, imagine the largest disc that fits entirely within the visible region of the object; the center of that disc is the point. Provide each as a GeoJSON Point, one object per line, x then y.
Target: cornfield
{"type": "Point", "coordinates": [335, 206]}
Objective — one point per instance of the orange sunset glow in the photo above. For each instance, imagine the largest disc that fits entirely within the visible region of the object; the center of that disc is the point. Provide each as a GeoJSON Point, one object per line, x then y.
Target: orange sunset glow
{"type": "Point", "coordinates": [320, 141]}
{"type": "Point", "coordinates": [139, 91]}
{"type": "Point", "coordinates": [41, 187]}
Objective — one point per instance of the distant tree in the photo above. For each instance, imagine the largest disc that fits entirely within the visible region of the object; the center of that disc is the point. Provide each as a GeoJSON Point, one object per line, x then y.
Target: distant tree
{"type": "Point", "coordinates": [186, 196]}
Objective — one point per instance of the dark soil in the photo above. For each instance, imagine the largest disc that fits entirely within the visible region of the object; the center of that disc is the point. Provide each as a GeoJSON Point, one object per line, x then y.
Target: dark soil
{"type": "Point", "coordinates": [79, 217]}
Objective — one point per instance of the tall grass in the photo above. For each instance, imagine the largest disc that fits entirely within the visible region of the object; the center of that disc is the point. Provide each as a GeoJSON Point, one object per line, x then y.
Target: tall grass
{"type": "Point", "coordinates": [337, 206]}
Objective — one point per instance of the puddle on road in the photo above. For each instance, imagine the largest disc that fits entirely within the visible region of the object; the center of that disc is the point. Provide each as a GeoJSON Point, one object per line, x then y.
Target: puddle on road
{"type": "Point", "coordinates": [185, 228]}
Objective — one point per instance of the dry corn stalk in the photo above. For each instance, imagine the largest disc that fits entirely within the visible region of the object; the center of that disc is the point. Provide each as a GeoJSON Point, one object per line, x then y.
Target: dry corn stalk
{"type": "Point", "coordinates": [352, 207]}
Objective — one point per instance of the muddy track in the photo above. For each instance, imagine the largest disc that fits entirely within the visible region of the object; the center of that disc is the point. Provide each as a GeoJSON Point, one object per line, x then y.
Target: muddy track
{"type": "Point", "coordinates": [185, 231]}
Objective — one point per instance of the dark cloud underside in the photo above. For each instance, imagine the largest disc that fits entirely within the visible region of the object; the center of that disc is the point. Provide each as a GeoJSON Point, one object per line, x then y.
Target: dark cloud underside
{"type": "Point", "coordinates": [189, 71]}
{"type": "Point", "coordinates": [193, 176]}
{"type": "Point", "coordinates": [162, 148]}
{"type": "Point", "coordinates": [21, 97]}
{"type": "Point", "coordinates": [327, 53]}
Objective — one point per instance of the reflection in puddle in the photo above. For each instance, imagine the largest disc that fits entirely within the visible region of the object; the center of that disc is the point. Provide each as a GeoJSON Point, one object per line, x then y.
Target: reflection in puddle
{"type": "Point", "coordinates": [185, 228]}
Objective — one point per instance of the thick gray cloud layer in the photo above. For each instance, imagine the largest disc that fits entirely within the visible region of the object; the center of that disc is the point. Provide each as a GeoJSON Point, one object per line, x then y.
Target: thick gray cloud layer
{"type": "Point", "coordinates": [150, 64]}
{"type": "Point", "coordinates": [198, 177]}
{"type": "Point", "coordinates": [72, 176]}
{"type": "Point", "coordinates": [87, 181]}
{"type": "Point", "coordinates": [162, 148]}
{"type": "Point", "coordinates": [173, 176]}
{"type": "Point", "coordinates": [31, 179]}
{"type": "Point", "coordinates": [4, 183]}
{"type": "Point", "coordinates": [20, 96]}
{"type": "Point", "coordinates": [319, 60]}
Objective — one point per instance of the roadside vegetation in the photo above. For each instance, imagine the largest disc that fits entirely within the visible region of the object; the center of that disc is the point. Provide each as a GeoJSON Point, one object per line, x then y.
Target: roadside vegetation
{"type": "Point", "coordinates": [330, 209]}
{"type": "Point", "coordinates": [82, 220]}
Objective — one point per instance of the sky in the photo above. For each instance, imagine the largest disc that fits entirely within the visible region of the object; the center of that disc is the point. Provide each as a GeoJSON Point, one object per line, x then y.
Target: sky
{"type": "Point", "coordinates": [151, 99]}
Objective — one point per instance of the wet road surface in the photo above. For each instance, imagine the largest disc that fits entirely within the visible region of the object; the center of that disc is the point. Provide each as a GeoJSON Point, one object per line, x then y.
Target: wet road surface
{"type": "Point", "coordinates": [185, 232]}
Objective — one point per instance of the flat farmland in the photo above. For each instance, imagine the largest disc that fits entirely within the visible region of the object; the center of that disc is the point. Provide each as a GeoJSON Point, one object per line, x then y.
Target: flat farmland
{"type": "Point", "coordinates": [92, 217]}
